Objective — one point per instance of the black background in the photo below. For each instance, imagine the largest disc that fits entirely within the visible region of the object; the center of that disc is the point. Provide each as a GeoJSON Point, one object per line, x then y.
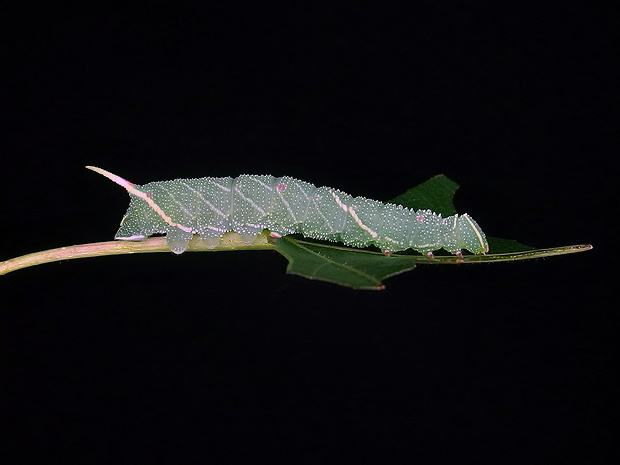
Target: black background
{"type": "Point", "coordinates": [222, 358]}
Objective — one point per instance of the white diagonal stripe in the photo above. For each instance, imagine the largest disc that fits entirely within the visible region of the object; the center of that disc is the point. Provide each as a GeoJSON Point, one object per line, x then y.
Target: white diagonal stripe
{"type": "Point", "coordinates": [224, 188]}
{"type": "Point", "coordinates": [250, 201]}
{"type": "Point", "coordinates": [287, 205]}
{"type": "Point", "coordinates": [209, 204]}
{"type": "Point", "coordinates": [177, 202]}
{"type": "Point", "coordinates": [265, 185]}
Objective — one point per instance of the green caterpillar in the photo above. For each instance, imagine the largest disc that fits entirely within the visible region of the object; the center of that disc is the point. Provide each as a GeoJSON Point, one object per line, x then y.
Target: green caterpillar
{"type": "Point", "coordinates": [249, 204]}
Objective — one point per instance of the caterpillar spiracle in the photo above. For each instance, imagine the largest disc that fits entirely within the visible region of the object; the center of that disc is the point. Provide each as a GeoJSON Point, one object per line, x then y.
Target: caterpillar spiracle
{"type": "Point", "coordinates": [248, 204]}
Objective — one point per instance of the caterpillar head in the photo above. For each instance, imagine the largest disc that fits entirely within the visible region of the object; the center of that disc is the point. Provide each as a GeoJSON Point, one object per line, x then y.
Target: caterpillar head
{"type": "Point", "coordinates": [471, 236]}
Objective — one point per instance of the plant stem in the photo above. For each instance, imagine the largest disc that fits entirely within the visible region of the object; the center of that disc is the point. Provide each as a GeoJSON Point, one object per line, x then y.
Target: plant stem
{"type": "Point", "coordinates": [230, 241]}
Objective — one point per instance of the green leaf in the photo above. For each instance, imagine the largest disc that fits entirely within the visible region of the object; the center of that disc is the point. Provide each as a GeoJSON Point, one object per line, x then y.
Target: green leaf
{"type": "Point", "coordinates": [497, 245]}
{"type": "Point", "coordinates": [366, 270]}
{"type": "Point", "coordinates": [354, 268]}
{"type": "Point", "coordinates": [525, 253]}
{"type": "Point", "coordinates": [435, 194]}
